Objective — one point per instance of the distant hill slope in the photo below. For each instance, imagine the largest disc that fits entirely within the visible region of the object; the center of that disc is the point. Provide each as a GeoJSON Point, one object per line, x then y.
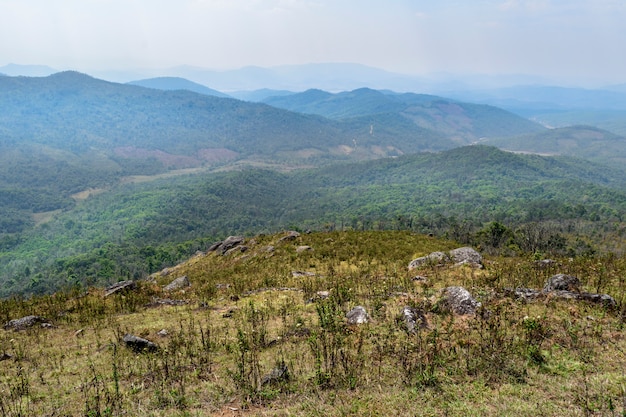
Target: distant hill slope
{"type": "Point", "coordinates": [139, 228]}
{"type": "Point", "coordinates": [463, 122]}
{"type": "Point", "coordinates": [177, 83]}
{"type": "Point", "coordinates": [580, 141]}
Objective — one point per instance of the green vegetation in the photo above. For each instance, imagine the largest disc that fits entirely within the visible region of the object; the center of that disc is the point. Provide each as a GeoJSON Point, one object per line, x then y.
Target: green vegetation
{"type": "Point", "coordinates": [250, 336]}
{"type": "Point", "coordinates": [136, 229]}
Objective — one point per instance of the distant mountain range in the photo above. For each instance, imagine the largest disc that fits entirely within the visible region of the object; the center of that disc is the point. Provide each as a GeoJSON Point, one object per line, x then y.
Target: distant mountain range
{"type": "Point", "coordinates": [177, 83]}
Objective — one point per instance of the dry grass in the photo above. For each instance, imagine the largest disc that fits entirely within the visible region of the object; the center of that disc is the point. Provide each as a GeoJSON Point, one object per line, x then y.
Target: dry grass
{"type": "Point", "coordinates": [246, 313]}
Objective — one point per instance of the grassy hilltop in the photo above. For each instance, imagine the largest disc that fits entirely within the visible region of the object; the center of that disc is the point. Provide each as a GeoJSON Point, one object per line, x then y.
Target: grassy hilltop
{"type": "Point", "coordinates": [254, 335]}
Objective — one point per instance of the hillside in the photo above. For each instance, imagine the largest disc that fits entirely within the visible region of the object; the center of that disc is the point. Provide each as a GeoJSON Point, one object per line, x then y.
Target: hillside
{"type": "Point", "coordinates": [137, 229]}
{"type": "Point", "coordinates": [463, 122]}
{"type": "Point", "coordinates": [579, 141]}
{"type": "Point", "coordinates": [275, 326]}
{"type": "Point", "coordinates": [177, 83]}
{"type": "Point", "coordinates": [67, 133]}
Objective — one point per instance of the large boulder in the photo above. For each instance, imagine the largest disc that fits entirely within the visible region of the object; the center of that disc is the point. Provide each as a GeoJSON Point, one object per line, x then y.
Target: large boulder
{"type": "Point", "coordinates": [466, 255]}
{"type": "Point", "coordinates": [458, 301]}
{"type": "Point", "coordinates": [291, 235]}
{"type": "Point", "coordinates": [562, 282]}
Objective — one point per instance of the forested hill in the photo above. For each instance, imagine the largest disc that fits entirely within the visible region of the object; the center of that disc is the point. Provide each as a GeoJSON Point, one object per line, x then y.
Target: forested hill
{"type": "Point", "coordinates": [463, 121]}
{"type": "Point", "coordinates": [140, 228]}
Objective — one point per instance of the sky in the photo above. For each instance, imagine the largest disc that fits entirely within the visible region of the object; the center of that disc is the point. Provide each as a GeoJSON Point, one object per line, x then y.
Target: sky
{"type": "Point", "coordinates": [582, 40]}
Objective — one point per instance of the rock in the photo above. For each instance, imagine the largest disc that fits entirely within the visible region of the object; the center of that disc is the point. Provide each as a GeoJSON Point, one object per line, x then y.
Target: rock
{"type": "Point", "coordinates": [466, 255]}
{"type": "Point", "coordinates": [526, 294]}
{"type": "Point", "coordinates": [177, 284]}
{"type": "Point", "coordinates": [358, 315]}
{"type": "Point", "coordinates": [431, 259]}
{"type": "Point", "coordinates": [26, 322]}
{"type": "Point", "coordinates": [163, 333]}
{"type": "Point", "coordinates": [414, 319]}
{"type": "Point", "coordinates": [419, 278]}
{"type": "Point", "coordinates": [278, 374]}
{"type": "Point", "coordinates": [301, 249]}
{"type": "Point", "coordinates": [5, 356]}
{"type": "Point", "coordinates": [236, 249]}
{"type": "Point", "coordinates": [139, 344]}
{"type": "Point", "coordinates": [214, 246]}
{"type": "Point", "coordinates": [120, 287]}
{"type": "Point", "coordinates": [459, 301]}
{"type": "Point", "coordinates": [297, 274]}
{"type": "Point", "coordinates": [230, 242]}
{"type": "Point", "coordinates": [603, 299]}
{"type": "Point", "coordinates": [562, 282]}
{"type": "Point", "coordinates": [291, 235]}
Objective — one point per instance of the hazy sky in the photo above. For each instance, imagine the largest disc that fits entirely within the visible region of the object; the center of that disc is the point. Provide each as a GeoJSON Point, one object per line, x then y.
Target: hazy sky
{"type": "Point", "coordinates": [569, 39]}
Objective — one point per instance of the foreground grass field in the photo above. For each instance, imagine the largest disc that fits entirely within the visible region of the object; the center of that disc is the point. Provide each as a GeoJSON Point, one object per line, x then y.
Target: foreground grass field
{"type": "Point", "coordinates": [261, 331]}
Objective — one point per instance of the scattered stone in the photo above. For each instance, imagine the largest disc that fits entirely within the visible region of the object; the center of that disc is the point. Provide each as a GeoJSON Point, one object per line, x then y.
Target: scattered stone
{"type": "Point", "coordinates": [5, 357]}
{"type": "Point", "coordinates": [529, 294]}
{"type": "Point", "coordinates": [165, 272]}
{"type": "Point", "coordinates": [291, 235]}
{"type": "Point", "coordinates": [270, 249]}
{"type": "Point", "coordinates": [139, 344]}
{"type": "Point", "coordinates": [431, 259]}
{"type": "Point", "coordinates": [419, 278]}
{"type": "Point", "coordinates": [278, 374]}
{"type": "Point", "coordinates": [466, 255]}
{"type": "Point", "coordinates": [230, 242]}
{"type": "Point", "coordinates": [322, 295]}
{"type": "Point", "coordinates": [26, 322]}
{"type": "Point", "coordinates": [79, 332]}
{"type": "Point", "coordinates": [304, 248]}
{"type": "Point", "coordinates": [526, 294]}
{"type": "Point", "coordinates": [414, 319]}
{"type": "Point", "coordinates": [236, 249]}
{"type": "Point", "coordinates": [562, 282]}
{"type": "Point", "coordinates": [459, 301]}
{"type": "Point", "coordinates": [603, 299]}
{"type": "Point", "coordinates": [177, 284]}
{"type": "Point", "coordinates": [214, 246]}
{"type": "Point", "coordinates": [297, 274]}
{"type": "Point", "coordinates": [222, 286]}
{"type": "Point", "coordinates": [120, 287]}
{"type": "Point", "coordinates": [358, 315]}
{"type": "Point", "coordinates": [163, 333]}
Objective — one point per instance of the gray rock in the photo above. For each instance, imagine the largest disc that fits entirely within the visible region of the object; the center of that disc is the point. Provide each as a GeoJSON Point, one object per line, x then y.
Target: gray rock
{"type": "Point", "coordinates": [163, 333]}
{"type": "Point", "coordinates": [545, 263]}
{"type": "Point", "coordinates": [26, 322]}
{"type": "Point", "coordinates": [466, 255]}
{"type": "Point", "coordinates": [236, 249]}
{"type": "Point", "coordinates": [562, 282]}
{"type": "Point", "coordinates": [229, 243]}
{"type": "Point", "coordinates": [139, 344]}
{"type": "Point", "coordinates": [177, 284]}
{"type": "Point", "coordinates": [431, 259]}
{"type": "Point", "coordinates": [291, 235]}
{"type": "Point", "coordinates": [358, 315]}
{"type": "Point", "coordinates": [458, 301]}
{"type": "Point", "coordinates": [120, 287]}
{"type": "Point", "coordinates": [301, 249]}
{"type": "Point", "coordinates": [297, 274]}
{"type": "Point", "coordinates": [603, 299]}
{"type": "Point", "coordinates": [414, 319]}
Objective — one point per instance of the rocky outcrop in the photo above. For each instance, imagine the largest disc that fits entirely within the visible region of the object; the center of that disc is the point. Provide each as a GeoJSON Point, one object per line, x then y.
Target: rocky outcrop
{"type": "Point", "coordinates": [459, 256]}
{"type": "Point", "coordinates": [303, 248]}
{"type": "Point", "coordinates": [119, 287]}
{"type": "Point", "coordinates": [225, 245]}
{"type": "Point", "coordinates": [177, 284]}
{"type": "Point", "coordinates": [27, 322]}
{"type": "Point", "coordinates": [291, 235]}
{"type": "Point", "coordinates": [562, 282]}
{"type": "Point", "coordinates": [459, 301]}
{"type": "Point", "coordinates": [564, 287]}
{"type": "Point", "coordinates": [358, 315]}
